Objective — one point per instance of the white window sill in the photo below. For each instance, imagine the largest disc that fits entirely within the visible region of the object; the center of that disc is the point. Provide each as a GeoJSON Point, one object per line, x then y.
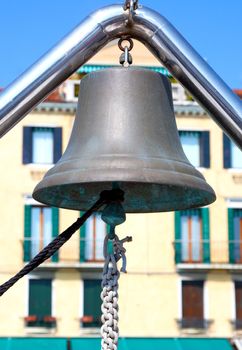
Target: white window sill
{"type": "Point", "coordinates": [40, 330]}
{"type": "Point", "coordinates": [193, 331]}
{"type": "Point", "coordinates": [39, 167]}
{"type": "Point", "coordinates": [235, 170]}
{"type": "Point", "coordinates": [90, 331]}
{"type": "Point", "coordinates": [201, 169]}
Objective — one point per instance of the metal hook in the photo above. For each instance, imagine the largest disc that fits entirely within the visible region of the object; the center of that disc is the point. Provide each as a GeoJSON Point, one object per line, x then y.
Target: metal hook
{"type": "Point", "coordinates": [125, 58]}
{"type": "Point", "coordinates": [130, 41]}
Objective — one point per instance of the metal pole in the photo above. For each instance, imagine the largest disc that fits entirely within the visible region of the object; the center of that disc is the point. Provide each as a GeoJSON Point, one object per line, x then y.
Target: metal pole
{"type": "Point", "coordinates": [104, 25]}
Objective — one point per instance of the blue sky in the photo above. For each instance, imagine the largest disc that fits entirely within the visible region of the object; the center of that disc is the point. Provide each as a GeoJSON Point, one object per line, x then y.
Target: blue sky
{"type": "Point", "coordinates": [30, 28]}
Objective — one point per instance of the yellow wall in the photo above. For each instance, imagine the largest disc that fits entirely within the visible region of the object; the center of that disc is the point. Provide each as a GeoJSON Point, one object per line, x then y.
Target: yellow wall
{"type": "Point", "coordinates": [150, 292]}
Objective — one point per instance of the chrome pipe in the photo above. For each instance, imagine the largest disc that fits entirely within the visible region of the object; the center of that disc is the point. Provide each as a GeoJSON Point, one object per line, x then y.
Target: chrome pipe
{"type": "Point", "coordinates": [56, 66]}
{"type": "Point", "coordinates": [193, 72]}
{"type": "Point", "coordinates": [104, 25]}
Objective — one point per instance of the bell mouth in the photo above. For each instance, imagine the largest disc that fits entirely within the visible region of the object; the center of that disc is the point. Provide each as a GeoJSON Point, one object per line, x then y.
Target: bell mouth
{"type": "Point", "coordinates": [140, 197]}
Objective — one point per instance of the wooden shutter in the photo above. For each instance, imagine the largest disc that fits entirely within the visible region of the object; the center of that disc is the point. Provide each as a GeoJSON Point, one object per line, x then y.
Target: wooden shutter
{"type": "Point", "coordinates": [40, 299]}
{"type": "Point", "coordinates": [55, 229]}
{"type": "Point", "coordinates": [226, 151]}
{"type": "Point", "coordinates": [238, 300]}
{"type": "Point", "coordinates": [92, 301]}
{"type": "Point", "coordinates": [231, 235]}
{"type": "Point", "coordinates": [57, 143]}
{"type": "Point", "coordinates": [27, 232]}
{"type": "Point", "coordinates": [27, 145]}
{"type": "Point", "coordinates": [192, 300]}
{"type": "Point", "coordinates": [177, 237]}
{"type": "Point", "coordinates": [206, 235]}
{"type": "Point", "coordinates": [204, 149]}
{"type": "Point", "coordinates": [82, 241]}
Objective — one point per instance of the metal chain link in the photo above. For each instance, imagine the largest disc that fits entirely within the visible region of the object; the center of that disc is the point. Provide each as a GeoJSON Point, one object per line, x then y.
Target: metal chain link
{"type": "Point", "coordinates": [113, 251]}
{"type": "Point", "coordinates": [131, 3]}
{"type": "Point", "coordinates": [125, 58]}
{"type": "Point", "coordinates": [131, 6]}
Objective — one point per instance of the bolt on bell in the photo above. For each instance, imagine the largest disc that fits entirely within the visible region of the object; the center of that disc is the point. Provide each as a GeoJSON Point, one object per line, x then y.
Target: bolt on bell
{"type": "Point", "coordinates": [125, 135]}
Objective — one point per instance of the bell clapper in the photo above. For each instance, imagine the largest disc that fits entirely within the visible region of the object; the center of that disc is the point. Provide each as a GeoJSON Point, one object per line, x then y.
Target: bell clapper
{"type": "Point", "coordinates": [126, 59]}
{"type": "Point", "coordinates": [113, 214]}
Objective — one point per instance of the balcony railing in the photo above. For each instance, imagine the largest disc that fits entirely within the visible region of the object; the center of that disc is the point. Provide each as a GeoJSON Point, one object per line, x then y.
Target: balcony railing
{"type": "Point", "coordinates": [195, 323]}
{"type": "Point", "coordinates": [186, 252]}
{"type": "Point", "coordinates": [237, 324]}
{"type": "Point", "coordinates": [208, 251]}
{"type": "Point", "coordinates": [74, 251]}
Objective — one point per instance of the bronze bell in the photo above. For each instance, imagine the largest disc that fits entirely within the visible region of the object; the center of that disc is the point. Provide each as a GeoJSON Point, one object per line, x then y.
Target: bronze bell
{"type": "Point", "coordinates": [125, 136]}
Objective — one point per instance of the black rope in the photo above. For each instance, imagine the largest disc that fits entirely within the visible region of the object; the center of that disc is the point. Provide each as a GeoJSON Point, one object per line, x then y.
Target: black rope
{"type": "Point", "coordinates": [52, 247]}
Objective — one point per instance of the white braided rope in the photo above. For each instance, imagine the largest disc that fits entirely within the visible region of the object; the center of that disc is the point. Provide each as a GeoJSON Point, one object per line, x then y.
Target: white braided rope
{"type": "Point", "coordinates": [109, 295]}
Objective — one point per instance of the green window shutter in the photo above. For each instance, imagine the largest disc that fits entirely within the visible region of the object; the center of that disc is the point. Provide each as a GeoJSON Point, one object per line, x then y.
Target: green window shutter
{"type": "Point", "coordinates": [92, 302]}
{"type": "Point", "coordinates": [82, 241]}
{"type": "Point", "coordinates": [206, 235]}
{"type": "Point", "coordinates": [39, 300]}
{"type": "Point", "coordinates": [55, 230]}
{"type": "Point", "coordinates": [27, 145]}
{"type": "Point", "coordinates": [177, 237]}
{"type": "Point", "coordinates": [57, 143]}
{"type": "Point", "coordinates": [231, 235]}
{"type": "Point", "coordinates": [205, 149]}
{"type": "Point", "coordinates": [227, 151]}
{"type": "Point", "coordinates": [27, 232]}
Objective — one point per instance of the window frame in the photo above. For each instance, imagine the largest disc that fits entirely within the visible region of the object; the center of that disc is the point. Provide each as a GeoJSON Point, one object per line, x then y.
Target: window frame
{"type": "Point", "coordinates": [204, 146]}
{"type": "Point", "coordinates": [88, 276]}
{"type": "Point", "coordinates": [205, 235]}
{"type": "Point", "coordinates": [82, 255]}
{"type": "Point", "coordinates": [227, 154]}
{"type": "Point", "coordinates": [27, 144]}
{"type": "Point", "coordinates": [27, 256]}
{"type": "Point", "coordinates": [231, 235]}
{"type": "Point", "coordinates": [190, 242]}
{"type": "Point", "coordinates": [34, 276]}
{"type": "Point", "coordinates": [41, 225]}
{"type": "Point", "coordinates": [237, 323]}
{"type": "Point", "coordinates": [194, 277]}
{"type": "Point", "coordinates": [37, 136]}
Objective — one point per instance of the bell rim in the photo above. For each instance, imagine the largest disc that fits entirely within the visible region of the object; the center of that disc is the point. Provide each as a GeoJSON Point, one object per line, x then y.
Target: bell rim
{"type": "Point", "coordinates": [51, 196]}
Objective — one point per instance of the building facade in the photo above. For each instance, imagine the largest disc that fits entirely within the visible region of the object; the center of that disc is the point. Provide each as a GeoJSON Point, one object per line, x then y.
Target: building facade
{"type": "Point", "coordinates": [184, 268]}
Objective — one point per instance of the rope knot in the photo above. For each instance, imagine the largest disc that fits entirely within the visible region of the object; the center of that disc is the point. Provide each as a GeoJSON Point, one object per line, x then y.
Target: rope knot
{"type": "Point", "coordinates": [113, 251]}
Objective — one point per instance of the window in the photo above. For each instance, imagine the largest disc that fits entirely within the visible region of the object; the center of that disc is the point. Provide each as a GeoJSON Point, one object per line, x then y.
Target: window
{"type": "Point", "coordinates": [92, 303]}
{"type": "Point", "coordinates": [192, 304]}
{"type": "Point", "coordinates": [232, 154]}
{"type": "Point", "coordinates": [71, 89]}
{"type": "Point", "coordinates": [92, 237]}
{"type": "Point", "coordinates": [235, 235]}
{"type": "Point", "coordinates": [195, 145]}
{"type": "Point", "coordinates": [76, 89]}
{"type": "Point", "coordinates": [178, 92]}
{"type": "Point", "coordinates": [41, 225]}
{"type": "Point", "coordinates": [40, 296]}
{"type": "Point", "coordinates": [41, 145]}
{"type": "Point", "coordinates": [238, 304]}
{"type": "Point", "coordinates": [192, 236]}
